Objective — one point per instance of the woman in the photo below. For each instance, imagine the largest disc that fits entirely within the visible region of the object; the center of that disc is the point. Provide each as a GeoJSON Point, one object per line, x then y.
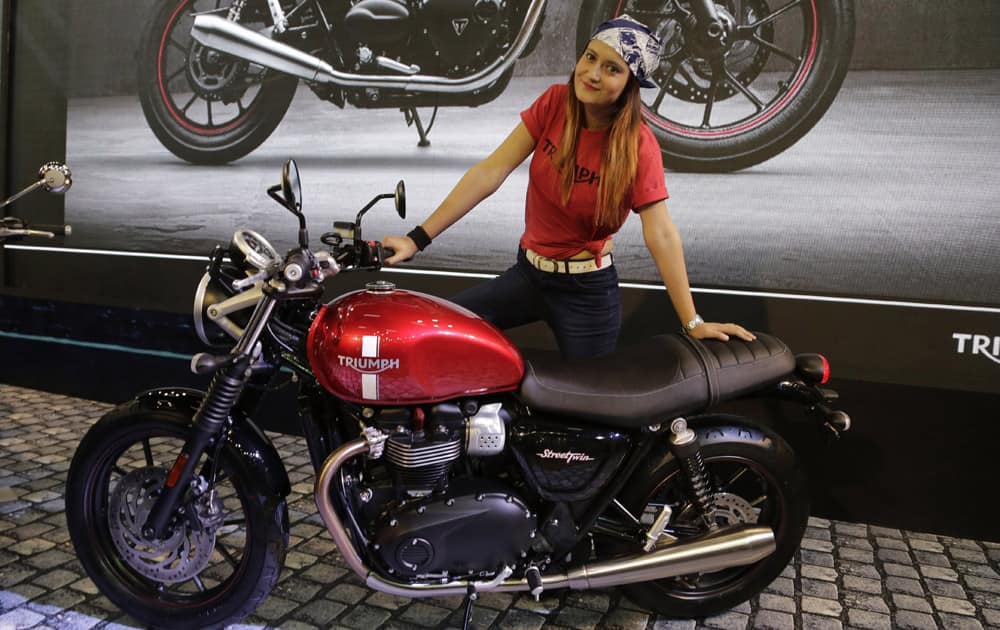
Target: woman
{"type": "Point", "coordinates": [595, 160]}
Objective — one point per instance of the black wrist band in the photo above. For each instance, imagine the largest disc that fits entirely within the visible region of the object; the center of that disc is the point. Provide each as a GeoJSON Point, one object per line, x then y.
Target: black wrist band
{"type": "Point", "coordinates": [420, 237]}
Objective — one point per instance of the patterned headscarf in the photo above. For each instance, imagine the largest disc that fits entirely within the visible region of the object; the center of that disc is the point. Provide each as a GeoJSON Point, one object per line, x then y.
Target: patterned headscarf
{"type": "Point", "coordinates": [634, 42]}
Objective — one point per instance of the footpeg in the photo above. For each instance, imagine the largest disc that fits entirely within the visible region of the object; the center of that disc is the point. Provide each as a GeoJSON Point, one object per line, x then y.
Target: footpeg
{"type": "Point", "coordinates": [653, 534]}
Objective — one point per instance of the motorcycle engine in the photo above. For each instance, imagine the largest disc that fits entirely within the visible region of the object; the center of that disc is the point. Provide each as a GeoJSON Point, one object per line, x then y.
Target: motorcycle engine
{"type": "Point", "coordinates": [450, 37]}
{"type": "Point", "coordinates": [477, 527]}
{"type": "Point", "coordinates": [430, 522]}
{"type": "Point", "coordinates": [421, 448]}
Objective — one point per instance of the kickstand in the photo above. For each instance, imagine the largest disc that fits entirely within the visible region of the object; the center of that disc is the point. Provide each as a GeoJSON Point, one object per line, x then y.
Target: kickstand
{"type": "Point", "coordinates": [470, 597]}
{"type": "Point", "coordinates": [413, 117]}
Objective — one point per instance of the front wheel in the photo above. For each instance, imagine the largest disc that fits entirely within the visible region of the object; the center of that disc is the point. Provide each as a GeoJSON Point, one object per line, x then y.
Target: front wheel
{"type": "Point", "coordinates": [227, 543]}
{"type": "Point", "coordinates": [725, 107]}
{"type": "Point", "coordinates": [205, 106]}
{"type": "Point", "coordinates": [755, 478]}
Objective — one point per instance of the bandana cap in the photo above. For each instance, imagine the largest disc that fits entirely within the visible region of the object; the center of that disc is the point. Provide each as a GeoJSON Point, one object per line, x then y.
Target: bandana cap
{"type": "Point", "coordinates": [634, 42]}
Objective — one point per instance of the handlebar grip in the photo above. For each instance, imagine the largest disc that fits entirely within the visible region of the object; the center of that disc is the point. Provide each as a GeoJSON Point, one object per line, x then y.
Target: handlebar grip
{"type": "Point", "coordinates": [388, 252]}
{"type": "Point", "coordinates": [57, 230]}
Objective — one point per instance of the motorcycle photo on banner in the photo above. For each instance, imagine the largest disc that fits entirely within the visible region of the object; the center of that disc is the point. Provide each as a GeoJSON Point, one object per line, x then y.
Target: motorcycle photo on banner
{"type": "Point", "coordinates": [447, 462]}
{"type": "Point", "coordinates": [739, 81]}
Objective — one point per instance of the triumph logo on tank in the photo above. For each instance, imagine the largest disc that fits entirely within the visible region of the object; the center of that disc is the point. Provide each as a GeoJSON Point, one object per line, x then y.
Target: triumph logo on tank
{"type": "Point", "coordinates": [973, 344]}
{"type": "Point", "coordinates": [569, 456]}
{"type": "Point", "coordinates": [367, 365]}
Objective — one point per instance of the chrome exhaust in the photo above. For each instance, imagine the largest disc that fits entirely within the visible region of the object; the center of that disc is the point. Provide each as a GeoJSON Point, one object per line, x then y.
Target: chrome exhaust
{"type": "Point", "coordinates": [220, 34]}
{"type": "Point", "coordinates": [733, 547]}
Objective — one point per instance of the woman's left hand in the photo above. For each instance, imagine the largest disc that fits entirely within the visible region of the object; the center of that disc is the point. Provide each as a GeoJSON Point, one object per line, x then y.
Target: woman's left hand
{"type": "Point", "coordinates": [714, 330]}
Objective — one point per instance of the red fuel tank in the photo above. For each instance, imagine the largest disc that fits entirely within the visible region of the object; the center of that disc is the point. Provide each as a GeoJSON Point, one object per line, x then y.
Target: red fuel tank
{"type": "Point", "coordinates": [389, 346]}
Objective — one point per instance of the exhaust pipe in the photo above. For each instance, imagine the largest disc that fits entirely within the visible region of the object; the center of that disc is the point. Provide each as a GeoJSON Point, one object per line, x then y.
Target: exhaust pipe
{"type": "Point", "coordinates": [220, 34]}
{"type": "Point", "coordinates": [729, 548]}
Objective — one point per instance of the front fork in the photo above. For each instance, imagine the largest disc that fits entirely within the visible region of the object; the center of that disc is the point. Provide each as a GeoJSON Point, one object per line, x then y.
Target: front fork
{"type": "Point", "coordinates": [209, 422]}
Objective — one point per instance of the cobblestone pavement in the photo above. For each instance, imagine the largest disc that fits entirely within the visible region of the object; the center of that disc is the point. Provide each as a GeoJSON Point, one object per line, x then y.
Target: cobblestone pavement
{"type": "Point", "coordinates": [847, 575]}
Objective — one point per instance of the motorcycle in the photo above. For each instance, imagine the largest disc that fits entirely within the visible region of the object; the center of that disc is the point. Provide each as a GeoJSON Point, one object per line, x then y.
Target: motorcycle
{"type": "Point", "coordinates": [738, 82]}
{"type": "Point", "coordinates": [447, 462]}
{"type": "Point", "coordinates": [53, 177]}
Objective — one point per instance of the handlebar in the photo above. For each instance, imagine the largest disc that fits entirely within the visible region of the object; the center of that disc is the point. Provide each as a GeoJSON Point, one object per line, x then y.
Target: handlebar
{"type": "Point", "coordinates": [53, 177]}
{"type": "Point", "coordinates": [13, 227]}
{"type": "Point", "coordinates": [54, 230]}
{"type": "Point", "coordinates": [301, 271]}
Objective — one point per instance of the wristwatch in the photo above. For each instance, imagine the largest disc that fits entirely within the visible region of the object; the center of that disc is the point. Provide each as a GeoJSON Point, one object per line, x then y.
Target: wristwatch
{"type": "Point", "coordinates": [694, 323]}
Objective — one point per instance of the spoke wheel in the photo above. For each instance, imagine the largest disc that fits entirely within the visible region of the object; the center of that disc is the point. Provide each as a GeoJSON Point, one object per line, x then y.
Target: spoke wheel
{"type": "Point", "coordinates": [729, 106]}
{"type": "Point", "coordinates": [755, 478]}
{"type": "Point", "coordinates": [702, 83]}
{"type": "Point", "coordinates": [225, 547]}
{"type": "Point", "coordinates": [203, 105]}
{"type": "Point", "coordinates": [744, 494]}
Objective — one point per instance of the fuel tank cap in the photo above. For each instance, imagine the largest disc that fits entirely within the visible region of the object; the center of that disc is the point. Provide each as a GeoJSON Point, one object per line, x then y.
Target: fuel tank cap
{"type": "Point", "coordinates": [380, 286]}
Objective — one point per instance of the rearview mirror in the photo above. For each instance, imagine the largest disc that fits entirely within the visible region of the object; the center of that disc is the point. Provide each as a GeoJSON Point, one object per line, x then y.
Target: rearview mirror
{"type": "Point", "coordinates": [55, 177]}
{"type": "Point", "coordinates": [291, 188]}
{"type": "Point", "coordinates": [401, 199]}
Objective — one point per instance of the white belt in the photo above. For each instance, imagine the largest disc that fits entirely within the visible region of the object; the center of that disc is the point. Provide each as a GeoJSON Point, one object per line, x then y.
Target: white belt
{"type": "Point", "coordinates": [552, 265]}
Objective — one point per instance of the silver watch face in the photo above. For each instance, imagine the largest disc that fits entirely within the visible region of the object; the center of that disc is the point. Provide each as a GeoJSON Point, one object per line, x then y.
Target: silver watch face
{"type": "Point", "coordinates": [694, 323]}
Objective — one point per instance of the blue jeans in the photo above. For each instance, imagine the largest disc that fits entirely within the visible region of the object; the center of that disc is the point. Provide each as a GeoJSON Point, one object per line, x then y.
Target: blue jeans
{"type": "Point", "coordinates": [584, 310]}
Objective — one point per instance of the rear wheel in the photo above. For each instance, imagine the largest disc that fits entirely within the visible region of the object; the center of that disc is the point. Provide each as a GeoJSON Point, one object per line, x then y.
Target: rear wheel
{"type": "Point", "coordinates": [730, 107]}
{"type": "Point", "coordinates": [204, 106]}
{"type": "Point", "coordinates": [225, 549]}
{"type": "Point", "coordinates": [755, 478]}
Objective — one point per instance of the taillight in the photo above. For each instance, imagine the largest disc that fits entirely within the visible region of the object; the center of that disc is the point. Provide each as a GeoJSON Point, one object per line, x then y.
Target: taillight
{"type": "Point", "coordinates": [813, 367]}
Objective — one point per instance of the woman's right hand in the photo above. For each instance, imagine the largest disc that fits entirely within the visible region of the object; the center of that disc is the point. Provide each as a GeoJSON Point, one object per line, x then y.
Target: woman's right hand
{"type": "Point", "coordinates": [403, 246]}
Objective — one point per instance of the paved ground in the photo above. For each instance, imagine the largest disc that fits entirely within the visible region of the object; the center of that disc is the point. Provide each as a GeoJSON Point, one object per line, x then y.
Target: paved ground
{"type": "Point", "coordinates": [892, 194]}
{"type": "Point", "coordinates": [847, 575]}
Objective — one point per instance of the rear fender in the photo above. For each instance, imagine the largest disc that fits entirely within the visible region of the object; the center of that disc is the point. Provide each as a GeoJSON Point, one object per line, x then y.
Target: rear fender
{"type": "Point", "coordinates": [256, 451]}
{"type": "Point", "coordinates": [711, 428]}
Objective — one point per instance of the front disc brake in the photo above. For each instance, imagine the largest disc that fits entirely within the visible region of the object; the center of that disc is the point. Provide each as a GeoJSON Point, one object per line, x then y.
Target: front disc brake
{"type": "Point", "coordinates": [178, 558]}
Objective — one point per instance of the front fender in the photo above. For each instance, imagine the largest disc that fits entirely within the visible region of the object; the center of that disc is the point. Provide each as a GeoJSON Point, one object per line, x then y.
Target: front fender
{"type": "Point", "coordinates": [255, 450]}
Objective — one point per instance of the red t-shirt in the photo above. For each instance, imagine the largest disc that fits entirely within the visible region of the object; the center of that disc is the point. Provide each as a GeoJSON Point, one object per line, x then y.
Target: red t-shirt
{"type": "Point", "coordinates": [559, 231]}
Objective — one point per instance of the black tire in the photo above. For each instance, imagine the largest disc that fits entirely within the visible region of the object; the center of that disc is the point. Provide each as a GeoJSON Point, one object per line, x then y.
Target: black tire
{"type": "Point", "coordinates": [203, 106]}
{"type": "Point", "coordinates": [770, 467]}
{"type": "Point", "coordinates": [247, 551]}
{"type": "Point", "coordinates": [793, 94]}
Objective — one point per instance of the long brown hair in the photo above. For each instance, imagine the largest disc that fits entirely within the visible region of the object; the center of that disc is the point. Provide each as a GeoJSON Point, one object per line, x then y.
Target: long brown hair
{"type": "Point", "coordinates": [618, 159]}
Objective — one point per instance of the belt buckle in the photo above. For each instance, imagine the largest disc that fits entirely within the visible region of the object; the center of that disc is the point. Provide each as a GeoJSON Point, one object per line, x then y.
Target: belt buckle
{"type": "Point", "coordinates": [548, 262]}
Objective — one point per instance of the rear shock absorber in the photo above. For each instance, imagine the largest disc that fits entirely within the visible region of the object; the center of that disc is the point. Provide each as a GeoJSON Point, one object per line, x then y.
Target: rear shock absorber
{"type": "Point", "coordinates": [685, 447]}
